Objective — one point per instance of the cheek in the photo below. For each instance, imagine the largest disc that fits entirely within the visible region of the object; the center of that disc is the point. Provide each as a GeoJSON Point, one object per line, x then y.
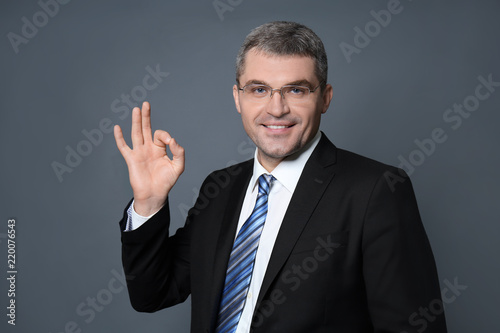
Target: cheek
{"type": "Point", "coordinates": [250, 113]}
{"type": "Point", "coordinates": [311, 119]}
{"type": "Point", "coordinates": [248, 122]}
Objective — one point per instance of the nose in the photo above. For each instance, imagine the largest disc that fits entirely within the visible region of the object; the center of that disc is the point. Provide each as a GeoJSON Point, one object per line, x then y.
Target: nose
{"type": "Point", "coordinates": [277, 105]}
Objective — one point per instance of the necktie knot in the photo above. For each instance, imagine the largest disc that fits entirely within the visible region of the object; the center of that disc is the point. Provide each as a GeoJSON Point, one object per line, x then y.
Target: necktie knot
{"type": "Point", "coordinates": [265, 182]}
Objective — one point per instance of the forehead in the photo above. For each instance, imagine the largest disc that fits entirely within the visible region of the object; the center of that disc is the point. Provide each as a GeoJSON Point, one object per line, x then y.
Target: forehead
{"type": "Point", "coordinates": [277, 70]}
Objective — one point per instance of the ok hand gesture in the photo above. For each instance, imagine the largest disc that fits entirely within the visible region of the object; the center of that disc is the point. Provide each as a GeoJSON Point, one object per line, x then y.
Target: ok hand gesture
{"type": "Point", "coordinates": [152, 172]}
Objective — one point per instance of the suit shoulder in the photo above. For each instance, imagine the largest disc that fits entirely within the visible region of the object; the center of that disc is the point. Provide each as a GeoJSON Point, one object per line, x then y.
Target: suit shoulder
{"type": "Point", "coordinates": [234, 174]}
{"type": "Point", "coordinates": [361, 161]}
{"type": "Point", "coordinates": [362, 166]}
{"type": "Point", "coordinates": [234, 169]}
{"type": "Point", "coordinates": [349, 162]}
{"type": "Point", "coordinates": [362, 173]}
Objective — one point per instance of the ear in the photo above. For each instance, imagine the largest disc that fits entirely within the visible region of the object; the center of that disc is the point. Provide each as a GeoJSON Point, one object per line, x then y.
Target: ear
{"type": "Point", "coordinates": [327, 97]}
{"type": "Point", "coordinates": [236, 97]}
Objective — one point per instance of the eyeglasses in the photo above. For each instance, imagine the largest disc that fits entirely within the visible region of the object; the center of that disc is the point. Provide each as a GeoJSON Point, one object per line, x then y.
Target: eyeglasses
{"type": "Point", "coordinates": [291, 93]}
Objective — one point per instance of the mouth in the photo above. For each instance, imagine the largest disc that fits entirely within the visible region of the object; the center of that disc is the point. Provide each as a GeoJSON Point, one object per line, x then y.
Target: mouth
{"type": "Point", "coordinates": [277, 127]}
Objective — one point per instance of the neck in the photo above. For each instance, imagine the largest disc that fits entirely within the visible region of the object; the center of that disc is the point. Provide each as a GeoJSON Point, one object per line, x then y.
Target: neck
{"type": "Point", "coordinates": [269, 163]}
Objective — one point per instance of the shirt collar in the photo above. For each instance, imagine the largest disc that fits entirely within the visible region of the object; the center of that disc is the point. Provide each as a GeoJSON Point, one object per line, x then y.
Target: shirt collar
{"type": "Point", "coordinates": [289, 170]}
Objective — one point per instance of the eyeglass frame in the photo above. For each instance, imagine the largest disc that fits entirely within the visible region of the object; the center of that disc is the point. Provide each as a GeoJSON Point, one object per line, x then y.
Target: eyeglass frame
{"type": "Point", "coordinates": [281, 89]}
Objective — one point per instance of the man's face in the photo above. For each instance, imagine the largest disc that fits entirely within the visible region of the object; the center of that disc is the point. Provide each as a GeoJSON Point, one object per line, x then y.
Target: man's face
{"type": "Point", "coordinates": [280, 127]}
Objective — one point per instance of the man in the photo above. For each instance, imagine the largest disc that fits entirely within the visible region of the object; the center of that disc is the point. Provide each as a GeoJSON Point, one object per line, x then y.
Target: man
{"type": "Point", "coordinates": [305, 237]}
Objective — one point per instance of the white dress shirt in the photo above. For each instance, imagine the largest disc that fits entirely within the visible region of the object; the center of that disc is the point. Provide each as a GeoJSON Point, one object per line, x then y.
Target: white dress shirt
{"type": "Point", "coordinates": [287, 175]}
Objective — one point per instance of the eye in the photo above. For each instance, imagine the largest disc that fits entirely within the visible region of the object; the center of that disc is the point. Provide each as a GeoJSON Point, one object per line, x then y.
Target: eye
{"type": "Point", "coordinates": [258, 90]}
{"type": "Point", "coordinates": [296, 91]}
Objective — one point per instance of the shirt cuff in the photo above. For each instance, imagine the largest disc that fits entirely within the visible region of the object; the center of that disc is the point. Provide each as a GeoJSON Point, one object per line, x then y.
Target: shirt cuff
{"type": "Point", "coordinates": [135, 220]}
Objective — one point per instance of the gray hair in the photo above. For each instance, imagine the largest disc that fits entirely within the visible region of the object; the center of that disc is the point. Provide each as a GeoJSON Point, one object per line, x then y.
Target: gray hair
{"type": "Point", "coordinates": [285, 38]}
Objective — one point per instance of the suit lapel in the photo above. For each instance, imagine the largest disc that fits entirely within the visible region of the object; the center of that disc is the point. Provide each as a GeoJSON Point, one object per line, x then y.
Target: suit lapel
{"type": "Point", "coordinates": [315, 178]}
{"type": "Point", "coordinates": [227, 233]}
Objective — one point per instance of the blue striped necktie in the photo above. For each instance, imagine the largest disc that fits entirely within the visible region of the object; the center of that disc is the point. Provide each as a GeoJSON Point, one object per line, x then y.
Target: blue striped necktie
{"type": "Point", "coordinates": [241, 262]}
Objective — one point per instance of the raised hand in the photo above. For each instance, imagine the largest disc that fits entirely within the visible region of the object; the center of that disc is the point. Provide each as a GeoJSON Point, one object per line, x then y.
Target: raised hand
{"type": "Point", "coordinates": [151, 171]}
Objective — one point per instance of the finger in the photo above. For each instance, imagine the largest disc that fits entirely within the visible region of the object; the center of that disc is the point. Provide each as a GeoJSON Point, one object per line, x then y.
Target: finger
{"type": "Point", "coordinates": [137, 138]}
{"type": "Point", "coordinates": [146, 122]}
{"type": "Point", "coordinates": [178, 154]}
{"type": "Point", "coordinates": [161, 139]}
{"type": "Point", "coordinates": [120, 141]}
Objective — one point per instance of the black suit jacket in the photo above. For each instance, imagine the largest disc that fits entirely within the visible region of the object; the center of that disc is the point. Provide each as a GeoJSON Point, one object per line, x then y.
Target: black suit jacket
{"type": "Point", "coordinates": [351, 255]}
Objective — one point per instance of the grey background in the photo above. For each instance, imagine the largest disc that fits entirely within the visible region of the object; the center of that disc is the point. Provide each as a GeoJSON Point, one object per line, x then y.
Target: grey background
{"type": "Point", "coordinates": [396, 90]}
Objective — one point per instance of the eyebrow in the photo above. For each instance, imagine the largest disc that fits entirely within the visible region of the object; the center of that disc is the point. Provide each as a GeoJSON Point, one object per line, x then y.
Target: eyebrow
{"type": "Point", "coordinates": [302, 82]}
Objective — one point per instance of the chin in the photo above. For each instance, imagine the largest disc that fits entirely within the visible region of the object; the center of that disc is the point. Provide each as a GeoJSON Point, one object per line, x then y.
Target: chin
{"type": "Point", "coordinates": [279, 153]}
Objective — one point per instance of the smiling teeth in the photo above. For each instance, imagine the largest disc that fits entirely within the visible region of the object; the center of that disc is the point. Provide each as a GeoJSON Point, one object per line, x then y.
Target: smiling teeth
{"type": "Point", "coordinates": [276, 127]}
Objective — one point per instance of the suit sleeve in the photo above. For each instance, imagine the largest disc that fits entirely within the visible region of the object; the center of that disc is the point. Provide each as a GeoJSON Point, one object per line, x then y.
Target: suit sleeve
{"type": "Point", "coordinates": [156, 266]}
{"type": "Point", "coordinates": [398, 265]}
